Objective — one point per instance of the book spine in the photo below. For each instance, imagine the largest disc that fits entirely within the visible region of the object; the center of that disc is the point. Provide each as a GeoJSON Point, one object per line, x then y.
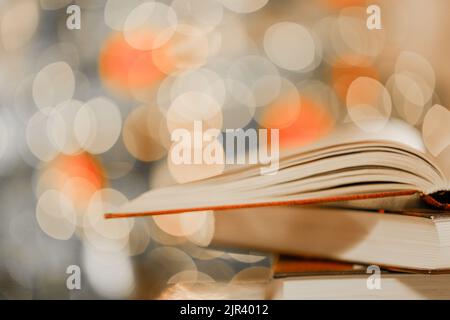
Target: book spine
{"type": "Point", "coordinates": [439, 200]}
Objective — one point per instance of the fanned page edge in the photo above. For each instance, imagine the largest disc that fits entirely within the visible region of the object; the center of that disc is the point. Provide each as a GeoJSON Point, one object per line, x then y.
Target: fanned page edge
{"type": "Point", "coordinates": [401, 193]}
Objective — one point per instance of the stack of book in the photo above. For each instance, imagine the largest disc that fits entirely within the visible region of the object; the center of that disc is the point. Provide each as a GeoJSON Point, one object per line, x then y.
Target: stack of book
{"type": "Point", "coordinates": [356, 198]}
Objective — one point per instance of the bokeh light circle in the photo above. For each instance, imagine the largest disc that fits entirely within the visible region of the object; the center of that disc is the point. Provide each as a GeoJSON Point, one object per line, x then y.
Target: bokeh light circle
{"type": "Point", "coordinates": [244, 6]}
{"type": "Point", "coordinates": [98, 125]}
{"type": "Point", "coordinates": [150, 25]}
{"type": "Point", "coordinates": [56, 215]}
{"type": "Point", "coordinates": [436, 129]}
{"type": "Point", "coordinates": [369, 104]}
{"type": "Point", "coordinates": [290, 46]}
{"type": "Point", "coordinates": [54, 84]}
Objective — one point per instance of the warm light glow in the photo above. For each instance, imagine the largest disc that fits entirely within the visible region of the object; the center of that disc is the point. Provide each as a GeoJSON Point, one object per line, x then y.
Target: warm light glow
{"type": "Point", "coordinates": [124, 68]}
{"type": "Point", "coordinates": [312, 122]}
{"type": "Point", "coordinates": [343, 74]}
{"type": "Point", "coordinates": [369, 104]}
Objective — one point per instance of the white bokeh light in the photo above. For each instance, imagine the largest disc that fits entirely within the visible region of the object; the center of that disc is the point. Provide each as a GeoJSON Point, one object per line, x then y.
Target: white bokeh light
{"type": "Point", "coordinates": [290, 46]}
{"type": "Point", "coordinates": [97, 125]}
{"type": "Point", "coordinates": [54, 84]}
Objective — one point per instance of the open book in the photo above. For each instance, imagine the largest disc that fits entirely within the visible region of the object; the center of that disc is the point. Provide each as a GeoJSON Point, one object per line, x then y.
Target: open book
{"type": "Point", "coordinates": [348, 166]}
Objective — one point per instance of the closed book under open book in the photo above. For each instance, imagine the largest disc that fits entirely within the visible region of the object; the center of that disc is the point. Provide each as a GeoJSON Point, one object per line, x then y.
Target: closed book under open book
{"type": "Point", "coordinates": [405, 240]}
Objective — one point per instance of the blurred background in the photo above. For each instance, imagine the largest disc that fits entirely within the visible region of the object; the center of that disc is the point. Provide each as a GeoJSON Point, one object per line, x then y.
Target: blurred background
{"type": "Point", "coordinates": [86, 115]}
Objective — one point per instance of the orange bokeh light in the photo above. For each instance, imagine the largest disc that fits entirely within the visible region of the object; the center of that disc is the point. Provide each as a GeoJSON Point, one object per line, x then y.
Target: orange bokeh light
{"type": "Point", "coordinates": [343, 74]}
{"type": "Point", "coordinates": [313, 122]}
{"type": "Point", "coordinates": [124, 68]}
{"type": "Point", "coordinates": [339, 4]}
{"type": "Point", "coordinates": [81, 176]}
